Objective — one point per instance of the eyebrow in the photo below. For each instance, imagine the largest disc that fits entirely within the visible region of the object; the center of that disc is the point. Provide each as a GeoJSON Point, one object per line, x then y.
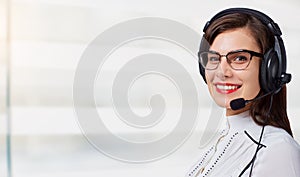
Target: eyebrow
{"type": "Point", "coordinates": [236, 50]}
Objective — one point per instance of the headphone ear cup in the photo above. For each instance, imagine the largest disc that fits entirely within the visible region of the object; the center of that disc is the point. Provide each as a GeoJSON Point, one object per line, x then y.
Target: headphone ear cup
{"type": "Point", "coordinates": [269, 71]}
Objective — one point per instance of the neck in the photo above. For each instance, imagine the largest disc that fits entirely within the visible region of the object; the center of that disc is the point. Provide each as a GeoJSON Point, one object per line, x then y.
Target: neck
{"type": "Point", "coordinates": [230, 112]}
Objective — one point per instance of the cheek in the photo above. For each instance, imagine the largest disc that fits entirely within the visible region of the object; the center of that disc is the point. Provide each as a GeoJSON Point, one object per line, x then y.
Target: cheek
{"type": "Point", "coordinates": [251, 84]}
{"type": "Point", "coordinates": [209, 75]}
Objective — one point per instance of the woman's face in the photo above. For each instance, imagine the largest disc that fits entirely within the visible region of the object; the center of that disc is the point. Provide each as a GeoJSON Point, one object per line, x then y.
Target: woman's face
{"type": "Point", "coordinates": [226, 84]}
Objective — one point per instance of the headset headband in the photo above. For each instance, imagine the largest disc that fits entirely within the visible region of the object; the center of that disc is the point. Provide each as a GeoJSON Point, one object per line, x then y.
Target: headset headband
{"type": "Point", "coordinates": [261, 16]}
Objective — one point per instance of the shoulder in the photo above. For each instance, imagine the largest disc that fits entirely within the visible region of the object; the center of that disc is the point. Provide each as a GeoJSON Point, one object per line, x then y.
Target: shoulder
{"type": "Point", "coordinates": [280, 148]}
{"type": "Point", "coordinates": [280, 141]}
{"type": "Point", "coordinates": [278, 137]}
{"type": "Point", "coordinates": [281, 156]}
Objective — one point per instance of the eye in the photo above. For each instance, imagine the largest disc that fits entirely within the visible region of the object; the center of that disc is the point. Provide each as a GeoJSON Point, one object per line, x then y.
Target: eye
{"type": "Point", "coordinates": [209, 60]}
{"type": "Point", "coordinates": [213, 59]}
{"type": "Point", "coordinates": [240, 59]}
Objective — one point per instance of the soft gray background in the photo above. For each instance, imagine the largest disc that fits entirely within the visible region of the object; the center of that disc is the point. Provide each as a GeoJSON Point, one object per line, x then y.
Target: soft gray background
{"type": "Point", "coordinates": [43, 41]}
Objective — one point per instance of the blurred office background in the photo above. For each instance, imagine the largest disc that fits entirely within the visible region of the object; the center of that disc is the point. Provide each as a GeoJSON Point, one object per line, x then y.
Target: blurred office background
{"type": "Point", "coordinates": [41, 42]}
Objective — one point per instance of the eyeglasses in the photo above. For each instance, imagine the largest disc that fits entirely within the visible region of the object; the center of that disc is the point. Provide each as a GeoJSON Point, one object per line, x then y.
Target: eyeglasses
{"type": "Point", "coordinates": [238, 59]}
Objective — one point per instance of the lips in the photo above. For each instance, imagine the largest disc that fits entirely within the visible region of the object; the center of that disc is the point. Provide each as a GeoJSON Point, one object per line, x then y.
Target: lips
{"type": "Point", "coordinates": [226, 88]}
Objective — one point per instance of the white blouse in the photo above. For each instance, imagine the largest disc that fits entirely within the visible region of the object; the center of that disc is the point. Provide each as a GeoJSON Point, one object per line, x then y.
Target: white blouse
{"type": "Point", "coordinates": [279, 155]}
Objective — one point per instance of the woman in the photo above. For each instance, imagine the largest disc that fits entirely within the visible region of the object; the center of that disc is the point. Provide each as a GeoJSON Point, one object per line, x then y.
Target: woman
{"type": "Point", "coordinates": [244, 59]}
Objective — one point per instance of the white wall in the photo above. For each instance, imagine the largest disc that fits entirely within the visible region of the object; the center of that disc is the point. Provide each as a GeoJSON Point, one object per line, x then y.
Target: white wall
{"type": "Point", "coordinates": [47, 40]}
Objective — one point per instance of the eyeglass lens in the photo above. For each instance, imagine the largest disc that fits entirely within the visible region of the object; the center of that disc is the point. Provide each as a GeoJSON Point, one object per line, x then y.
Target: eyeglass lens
{"type": "Point", "coordinates": [237, 60]}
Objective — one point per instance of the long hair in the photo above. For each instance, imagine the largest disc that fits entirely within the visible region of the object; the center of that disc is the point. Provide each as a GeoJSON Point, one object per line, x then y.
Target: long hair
{"type": "Point", "coordinates": [259, 110]}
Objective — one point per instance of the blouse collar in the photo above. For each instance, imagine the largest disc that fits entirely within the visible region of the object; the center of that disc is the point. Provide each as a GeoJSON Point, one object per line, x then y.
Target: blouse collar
{"type": "Point", "coordinates": [239, 121]}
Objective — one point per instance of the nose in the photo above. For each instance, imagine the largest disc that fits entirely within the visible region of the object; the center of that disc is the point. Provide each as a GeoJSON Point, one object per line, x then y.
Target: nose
{"type": "Point", "coordinates": [224, 70]}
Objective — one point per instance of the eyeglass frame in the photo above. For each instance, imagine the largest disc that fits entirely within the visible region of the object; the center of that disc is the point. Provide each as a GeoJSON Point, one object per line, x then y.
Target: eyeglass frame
{"type": "Point", "coordinates": [252, 53]}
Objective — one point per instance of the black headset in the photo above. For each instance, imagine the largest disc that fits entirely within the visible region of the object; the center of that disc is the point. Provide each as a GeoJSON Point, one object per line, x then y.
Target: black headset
{"type": "Point", "coordinates": [273, 67]}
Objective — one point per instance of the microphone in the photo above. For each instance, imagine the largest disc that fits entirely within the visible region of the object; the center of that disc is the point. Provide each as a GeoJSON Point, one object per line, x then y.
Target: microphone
{"type": "Point", "coordinates": [240, 103]}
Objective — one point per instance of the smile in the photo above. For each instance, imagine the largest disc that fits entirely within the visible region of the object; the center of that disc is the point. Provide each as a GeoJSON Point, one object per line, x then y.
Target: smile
{"type": "Point", "coordinates": [226, 88]}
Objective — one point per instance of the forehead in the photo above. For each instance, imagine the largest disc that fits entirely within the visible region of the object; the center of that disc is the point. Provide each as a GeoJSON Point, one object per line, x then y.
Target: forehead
{"type": "Point", "coordinates": [240, 38]}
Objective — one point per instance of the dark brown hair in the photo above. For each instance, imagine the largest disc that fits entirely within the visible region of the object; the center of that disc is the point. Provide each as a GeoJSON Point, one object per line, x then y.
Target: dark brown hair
{"type": "Point", "coordinates": [259, 110]}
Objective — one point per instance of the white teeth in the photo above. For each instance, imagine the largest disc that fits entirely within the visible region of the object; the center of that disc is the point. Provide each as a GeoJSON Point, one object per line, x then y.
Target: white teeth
{"type": "Point", "coordinates": [227, 87]}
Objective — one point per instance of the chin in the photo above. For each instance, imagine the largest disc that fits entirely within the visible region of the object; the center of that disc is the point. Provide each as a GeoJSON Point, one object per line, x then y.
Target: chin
{"type": "Point", "coordinates": [223, 104]}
